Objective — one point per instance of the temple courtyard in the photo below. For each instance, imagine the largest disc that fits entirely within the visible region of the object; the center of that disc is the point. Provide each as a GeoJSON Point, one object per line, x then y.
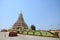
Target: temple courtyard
{"type": "Point", "coordinates": [4, 36]}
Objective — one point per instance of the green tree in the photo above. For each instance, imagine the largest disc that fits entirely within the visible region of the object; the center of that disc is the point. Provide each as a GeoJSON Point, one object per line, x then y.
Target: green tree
{"type": "Point", "coordinates": [33, 27]}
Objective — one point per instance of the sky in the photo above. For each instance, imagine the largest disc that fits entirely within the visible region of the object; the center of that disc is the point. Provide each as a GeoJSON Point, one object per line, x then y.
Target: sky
{"type": "Point", "coordinates": [44, 14]}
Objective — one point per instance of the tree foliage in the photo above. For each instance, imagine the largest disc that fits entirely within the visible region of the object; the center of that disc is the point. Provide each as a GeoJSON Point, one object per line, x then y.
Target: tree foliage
{"type": "Point", "coordinates": [33, 27]}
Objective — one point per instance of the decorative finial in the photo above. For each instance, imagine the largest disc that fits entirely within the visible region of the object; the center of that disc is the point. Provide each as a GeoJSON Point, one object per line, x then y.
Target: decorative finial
{"type": "Point", "coordinates": [21, 12]}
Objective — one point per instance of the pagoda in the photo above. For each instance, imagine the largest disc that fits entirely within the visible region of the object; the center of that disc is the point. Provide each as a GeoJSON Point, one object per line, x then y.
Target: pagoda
{"type": "Point", "coordinates": [20, 23]}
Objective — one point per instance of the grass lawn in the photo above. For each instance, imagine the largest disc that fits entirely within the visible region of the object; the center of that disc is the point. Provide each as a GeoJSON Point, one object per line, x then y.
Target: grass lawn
{"type": "Point", "coordinates": [25, 32]}
{"type": "Point", "coordinates": [46, 34]}
{"type": "Point", "coordinates": [30, 33]}
{"type": "Point", "coordinates": [38, 33]}
{"type": "Point", "coordinates": [49, 34]}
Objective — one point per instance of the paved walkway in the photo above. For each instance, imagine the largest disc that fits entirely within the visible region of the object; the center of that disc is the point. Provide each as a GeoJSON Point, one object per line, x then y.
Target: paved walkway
{"type": "Point", "coordinates": [4, 36]}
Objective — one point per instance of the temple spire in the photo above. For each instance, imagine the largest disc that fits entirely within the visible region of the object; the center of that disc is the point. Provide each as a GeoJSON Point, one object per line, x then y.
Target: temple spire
{"type": "Point", "coordinates": [20, 23]}
{"type": "Point", "coordinates": [20, 17]}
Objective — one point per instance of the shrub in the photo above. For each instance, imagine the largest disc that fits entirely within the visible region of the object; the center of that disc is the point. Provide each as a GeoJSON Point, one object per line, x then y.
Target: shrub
{"type": "Point", "coordinates": [33, 27]}
{"type": "Point", "coordinates": [12, 34]}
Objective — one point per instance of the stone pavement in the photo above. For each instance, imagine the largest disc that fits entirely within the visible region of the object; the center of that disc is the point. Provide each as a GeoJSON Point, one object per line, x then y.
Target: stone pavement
{"type": "Point", "coordinates": [4, 36]}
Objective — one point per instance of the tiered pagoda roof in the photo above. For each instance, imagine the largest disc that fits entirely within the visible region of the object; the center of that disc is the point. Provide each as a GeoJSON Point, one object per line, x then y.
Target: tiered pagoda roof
{"type": "Point", "coordinates": [20, 23]}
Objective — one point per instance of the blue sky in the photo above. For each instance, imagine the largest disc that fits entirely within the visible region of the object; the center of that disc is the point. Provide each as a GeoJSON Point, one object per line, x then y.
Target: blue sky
{"type": "Point", "coordinates": [44, 14]}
